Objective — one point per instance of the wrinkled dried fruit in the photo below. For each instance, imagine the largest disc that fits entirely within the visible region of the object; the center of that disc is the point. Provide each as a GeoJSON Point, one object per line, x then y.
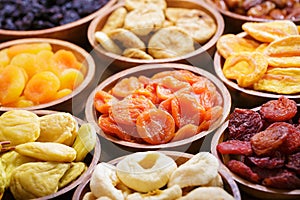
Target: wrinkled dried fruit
{"type": "Point", "coordinates": [75, 170]}
{"type": "Point", "coordinates": [294, 162]}
{"type": "Point", "coordinates": [246, 68]}
{"type": "Point", "coordinates": [284, 47]}
{"type": "Point", "coordinates": [276, 161]}
{"type": "Point", "coordinates": [284, 180]}
{"type": "Point", "coordinates": [235, 147]}
{"type": "Point", "coordinates": [282, 109]}
{"type": "Point", "coordinates": [243, 170]}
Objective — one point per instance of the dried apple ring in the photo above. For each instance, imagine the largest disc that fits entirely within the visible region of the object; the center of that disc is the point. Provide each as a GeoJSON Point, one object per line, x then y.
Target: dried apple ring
{"type": "Point", "coordinates": [42, 87]}
{"type": "Point", "coordinates": [13, 80]}
{"type": "Point", "coordinates": [246, 68]}
{"type": "Point", "coordinates": [229, 44]}
{"type": "Point", "coordinates": [270, 31]}
{"type": "Point", "coordinates": [280, 80]}
{"type": "Point", "coordinates": [284, 47]}
{"type": "Point", "coordinates": [155, 126]}
{"type": "Point", "coordinates": [142, 21]}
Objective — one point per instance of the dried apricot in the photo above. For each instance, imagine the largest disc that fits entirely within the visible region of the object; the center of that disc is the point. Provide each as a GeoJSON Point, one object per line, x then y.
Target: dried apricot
{"type": "Point", "coordinates": [66, 59]}
{"type": "Point", "coordinates": [42, 87]}
{"type": "Point", "coordinates": [4, 59]}
{"type": "Point", "coordinates": [103, 101]}
{"type": "Point", "coordinates": [27, 62]}
{"type": "Point", "coordinates": [28, 48]}
{"type": "Point", "coordinates": [44, 61]}
{"type": "Point", "coordinates": [246, 68]}
{"type": "Point", "coordinates": [126, 86]}
{"type": "Point", "coordinates": [70, 79]}
{"type": "Point", "coordinates": [155, 126]}
{"type": "Point", "coordinates": [63, 92]}
{"type": "Point", "coordinates": [186, 131]}
{"type": "Point", "coordinates": [12, 84]}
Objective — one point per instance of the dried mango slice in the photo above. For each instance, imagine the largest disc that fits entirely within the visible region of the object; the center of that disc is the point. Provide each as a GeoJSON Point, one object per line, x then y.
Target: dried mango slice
{"type": "Point", "coordinates": [246, 68]}
{"type": "Point", "coordinates": [280, 80]}
{"type": "Point", "coordinates": [229, 44]}
{"type": "Point", "coordinates": [284, 47]}
{"type": "Point", "coordinates": [270, 31]}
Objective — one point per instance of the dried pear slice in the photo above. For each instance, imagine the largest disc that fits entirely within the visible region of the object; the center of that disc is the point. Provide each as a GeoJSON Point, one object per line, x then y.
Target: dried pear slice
{"type": "Point", "coordinates": [270, 31]}
{"type": "Point", "coordinates": [76, 169]}
{"type": "Point", "coordinates": [47, 151]}
{"type": "Point", "coordinates": [36, 179]}
{"type": "Point", "coordinates": [107, 43]}
{"type": "Point", "coordinates": [115, 20]}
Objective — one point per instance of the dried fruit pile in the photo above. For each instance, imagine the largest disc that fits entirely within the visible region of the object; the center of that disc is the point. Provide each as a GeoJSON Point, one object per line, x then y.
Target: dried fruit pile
{"type": "Point", "coordinates": [151, 30]}
{"type": "Point", "coordinates": [265, 9]}
{"type": "Point", "coordinates": [46, 152]}
{"type": "Point", "coordinates": [267, 59]}
{"type": "Point", "coordinates": [32, 74]}
{"type": "Point", "coordinates": [43, 14]}
{"type": "Point", "coordinates": [153, 175]}
{"type": "Point", "coordinates": [264, 145]}
{"type": "Point", "coordinates": [169, 106]}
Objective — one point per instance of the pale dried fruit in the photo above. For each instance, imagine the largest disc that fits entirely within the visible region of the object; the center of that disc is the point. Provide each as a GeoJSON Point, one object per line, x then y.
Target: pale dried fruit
{"type": "Point", "coordinates": [107, 43]}
{"type": "Point", "coordinates": [115, 20]}
{"type": "Point", "coordinates": [75, 170]}
{"type": "Point", "coordinates": [47, 151]}
{"type": "Point", "coordinates": [19, 126]}
{"type": "Point", "coordinates": [136, 54]}
{"type": "Point", "coordinates": [204, 193]}
{"type": "Point", "coordinates": [284, 47]}
{"type": "Point", "coordinates": [36, 179]}
{"type": "Point", "coordinates": [145, 171]}
{"type": "Point", "coordinates": [134, 4]}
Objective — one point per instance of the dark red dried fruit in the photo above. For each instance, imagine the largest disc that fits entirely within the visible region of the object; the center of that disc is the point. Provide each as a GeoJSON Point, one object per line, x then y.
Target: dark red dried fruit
{"type": "Point", "coordinates": [268, 141]}
{"type": "Point", "coordinates": [292, 142]}
{"type": "Point", "coordinates": [284, 180]}
{"type": "Point", "coordinates": [266, 173]}
{"type": "Point", "coordinates": [294, 162]}
{"type": "Point", "coordinates": [243, 170]}
{"type": "Point", "coordinates": [235, 147]}
{"type": "Point", "coordinates": [276, 161]}
{"type": "Point", "coordinates": [243, 124]}
{"type": "Point", "coordinates": [282, 109]}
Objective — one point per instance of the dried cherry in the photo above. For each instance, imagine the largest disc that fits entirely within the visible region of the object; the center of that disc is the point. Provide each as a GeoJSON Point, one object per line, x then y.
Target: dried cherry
{"type": "Point", "coordinates": [282, 109]}
{"type": "Point", "coordinates": [276, 161]}
{"type": "Point", "coordinates": [268, 141]}
{"type": "Point", "coordinates": [294, 162]}
{"type": "Point", "coordinates": [243, 124]}
{"type": "Point", "coordinates": [243, 170]}
{"type": "Point", "coordinates": [284, 180]}
{"type": "Point", "coordinates": [235, 147]}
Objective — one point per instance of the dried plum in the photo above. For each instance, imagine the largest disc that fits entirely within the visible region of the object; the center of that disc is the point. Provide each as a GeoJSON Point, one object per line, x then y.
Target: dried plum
{"type": "Point", "coordinates": [243, 124]}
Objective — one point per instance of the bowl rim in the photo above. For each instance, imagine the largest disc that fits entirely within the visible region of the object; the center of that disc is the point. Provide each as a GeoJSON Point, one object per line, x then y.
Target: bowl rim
{"type": "Point", "coordinates": [36, 33]}
{"type": "Point", "coordinates": [90, 111]}
{"type": "Point", "coordinates": [173, 154]}
{"type": "Point", "coordinates": [240, 17]}
{"type": "Point", "coordinates": [218, 69]}
{"type": "Point", "coordinates": [94, 161]}
{"type": "Point", "coordinates": [91, 68]}
{"type": "Point", "coordinates": [210, 43]}
{"type": "Point", "coordinates": [217, 138]}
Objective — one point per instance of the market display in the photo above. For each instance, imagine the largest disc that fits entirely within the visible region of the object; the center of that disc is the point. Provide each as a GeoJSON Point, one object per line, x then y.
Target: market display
{"type": "Point", "coordinates": [266, 59]}
{"type": "Point", "coordinates": [263, 145]}
{"type": "Point", "coordinates": [34, 164]}
{"type": "Point", "coordinates": [168, 106]}
{"type": "Point", "coordinates": [34, 74]}
{"type": "Point", "coordinates": [152, 30]}
{"type": "Point", "coordinates": [137, 177]}
{"type": "Point", "coordinates": [262, 9]}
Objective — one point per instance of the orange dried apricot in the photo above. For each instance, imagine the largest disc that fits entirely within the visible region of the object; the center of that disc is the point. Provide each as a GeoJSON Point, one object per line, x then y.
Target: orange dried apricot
{"type": "Point", "coordinates": [42, 87]}
{"type": "Point", "coordinates": [229, 44]}
{"type": "Point", "coordinates": [66, 59]}
{"type": "Point", "coordinates": [186, 131]}
{"type": "Point", "coordinates": [246, 68]}
{"type": "Point", "coordinates": [70, 79]}
{"type": "Point", "coordinates": [12, 84]}
{"type": "Point", "coordinates": [21, 102]}
{"type": "Point", "coordinates": [4, 59]}
{"type": "Point", "coordinates": [270, 31]}
{"type": "Point", "coordinates": [45, 61]}
{"type": "Point", "coordinates": [27, 62]}
{"type": "Point", "coordinates": [63, 92]}
{"type": "Point", "coordinates": [126, 86]}
{"type": "Point", "coordinates": [103, 101]}
{"type": "Point", "coordinates": [28, 48]}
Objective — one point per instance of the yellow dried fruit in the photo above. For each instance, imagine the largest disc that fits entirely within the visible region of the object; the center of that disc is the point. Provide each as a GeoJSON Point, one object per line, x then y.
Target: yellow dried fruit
{"type": "Point", "coordinates": [280, 80]}
{"type": "Point", "coordinates": [57, 127]}
{"type": "Point", "coordinates": [19, 126]}
{"type": "Point", "coordinates": [285, 47]}
{"type": "Point", "coordinates": [76, 169]}
{"type": "Point", "coordinates": [246, 68]}
{"type": "Point", "coordinates": [47, 151]}
{"type": "Point", "coordinates": [36, 179]}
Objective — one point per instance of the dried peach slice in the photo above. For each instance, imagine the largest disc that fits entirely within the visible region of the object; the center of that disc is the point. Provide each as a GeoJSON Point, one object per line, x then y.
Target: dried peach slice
{"type": "Point", "coordinates": [280, 80]}
{"type": "Point", "coordinates": [42, 87]}
{"type": "Point", "coordinates": [28, 48]}
{"type": "Point", "coordinates": [229, 44]}
{"type": "Point", "coordinates": [270, 31]}
{"type": "Point", "coordinates": [13, 80]}
{"type": "Point", "coordinates": [284, 47]}
{"type": "Point", "coordinates": [246, 68]}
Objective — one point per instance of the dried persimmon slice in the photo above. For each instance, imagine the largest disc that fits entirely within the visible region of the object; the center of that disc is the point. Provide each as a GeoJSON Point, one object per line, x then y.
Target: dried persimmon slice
{"type": "Point", "coordinates": [155, 126]}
